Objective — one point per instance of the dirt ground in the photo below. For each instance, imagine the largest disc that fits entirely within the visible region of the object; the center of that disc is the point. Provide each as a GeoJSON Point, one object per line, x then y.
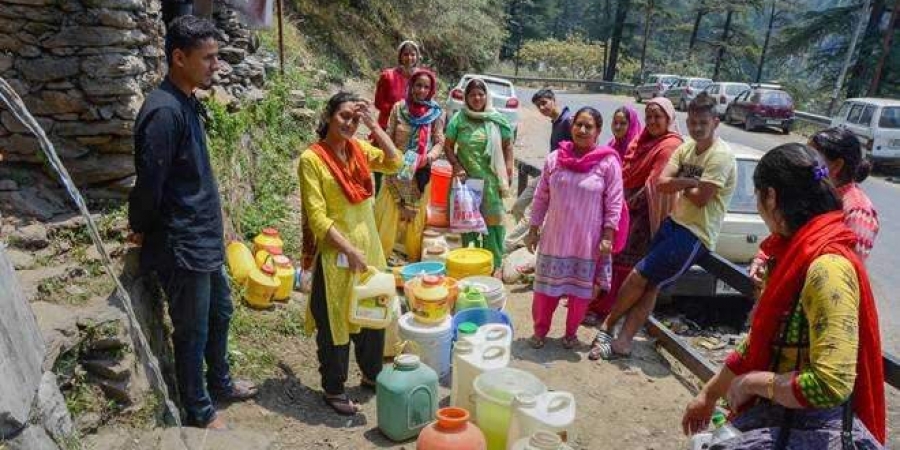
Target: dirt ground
{"type": "Point", "coordinates": [635, 404]}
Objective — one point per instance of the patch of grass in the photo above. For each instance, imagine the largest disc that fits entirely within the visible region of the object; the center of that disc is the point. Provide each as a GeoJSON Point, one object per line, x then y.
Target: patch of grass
{"type": "Point", "coordinates": [255, 334]}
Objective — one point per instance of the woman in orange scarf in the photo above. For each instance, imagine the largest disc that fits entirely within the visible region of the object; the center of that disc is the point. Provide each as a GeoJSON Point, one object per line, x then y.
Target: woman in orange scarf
{"type": "Point", "coordinates": [809, 374]}
{"type": "Point", "coordinates": [340, 239]}
{"type": "Point", "coordinates": [645, 158]}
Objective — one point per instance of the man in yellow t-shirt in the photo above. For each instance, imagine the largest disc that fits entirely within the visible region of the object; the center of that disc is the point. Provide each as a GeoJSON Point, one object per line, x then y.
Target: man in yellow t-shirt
{"type": "Point", "coordinates": [704, 171]}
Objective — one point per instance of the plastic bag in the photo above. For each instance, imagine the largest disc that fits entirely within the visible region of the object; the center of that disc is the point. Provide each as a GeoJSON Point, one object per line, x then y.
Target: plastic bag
{"type": "Point", "coordinates": [465, 207]}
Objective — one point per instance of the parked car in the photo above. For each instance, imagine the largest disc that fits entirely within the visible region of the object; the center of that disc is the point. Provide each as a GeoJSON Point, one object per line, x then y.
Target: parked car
{"type": "Point", "coordinates": [725, 92]}
{"type": "Point", "coordinates": [876, 123]}
{"type": "Point", "coordinates": [742, 231]}
{"type": "Point", "coordinates": [656, 85]}
{"type": "Point", "coordinates": [762, 106]}
{"type": "Point", "coordinates": [503, 97]}
{"type": "Point", "coordinates": [684, 90]}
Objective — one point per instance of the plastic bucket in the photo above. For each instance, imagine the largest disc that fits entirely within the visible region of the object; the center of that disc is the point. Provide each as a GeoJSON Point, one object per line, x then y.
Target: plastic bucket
{"type": "Point", "coordinates": [423, 268]}
{"type": "Point", "coordinates": [441, 175]}
{"type": "Point", "coordinates": [495, 391]}
{"type": "Point", "coordinates": [430, 342]}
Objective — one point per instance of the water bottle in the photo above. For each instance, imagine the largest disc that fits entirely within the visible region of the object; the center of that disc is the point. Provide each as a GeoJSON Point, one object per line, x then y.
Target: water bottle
{"type": "Point", "coordinates": [724, 430]}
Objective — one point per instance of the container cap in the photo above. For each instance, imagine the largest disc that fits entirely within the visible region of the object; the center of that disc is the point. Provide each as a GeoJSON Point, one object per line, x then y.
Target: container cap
{"type": "Point", "coordinates": [467, 328]}
{"type": "Point", "coordinates": [267, 269]}
{"type": "Point", "coordinates": [281, 261]}
{"type": "Point", "coordinates": [406, 361]}
{"type": "Point", "coordinates": [718, 419]}
{"type": "Point", "coordinates": [434, 250]}
{"type": "Point", "coordinates": [272, 250]}
{"type": "Point", "coordinates": [432, 280]}
{"type": "Point", "coordinates": [270, 231]}
{"type": "Point", "coordinates": [431, 233]}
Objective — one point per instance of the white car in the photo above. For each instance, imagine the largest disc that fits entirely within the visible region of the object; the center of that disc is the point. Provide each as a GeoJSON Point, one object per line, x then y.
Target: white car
{"type": "Point", "coordinates": [503, 97]}
{"type": "Point", "coordinates": [725, 93]}
{"type": "Point", "coordinates": [742, 231]}
{"type": "Point", "coordinates": [876, 123]}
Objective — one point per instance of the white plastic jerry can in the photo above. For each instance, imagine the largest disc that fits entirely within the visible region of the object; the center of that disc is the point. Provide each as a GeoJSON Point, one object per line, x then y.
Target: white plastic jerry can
{"type": "Point", "coordinates": [551, 411]}
{"type": "Point", "coordinates": [469, 361]}
{"type": "Point", "coordinates": [372, 305]}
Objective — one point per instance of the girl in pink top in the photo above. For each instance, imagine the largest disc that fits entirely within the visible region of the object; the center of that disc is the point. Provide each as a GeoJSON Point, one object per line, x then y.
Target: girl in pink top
{"type": "Point", "coordinates": [574, 223]}
{"type": "Point", "coordinates": [842, 154]}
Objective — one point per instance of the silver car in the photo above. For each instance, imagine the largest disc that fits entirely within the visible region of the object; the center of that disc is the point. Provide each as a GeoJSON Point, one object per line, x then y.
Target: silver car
{"type": "Point", "coordinates": [656, 85]}
{"type": "Point", "coordinates": [685, 89]}
{"type": "Point", "coordinates": [503, 97]}
{"type": "Point", "coordinates": [725, 92]}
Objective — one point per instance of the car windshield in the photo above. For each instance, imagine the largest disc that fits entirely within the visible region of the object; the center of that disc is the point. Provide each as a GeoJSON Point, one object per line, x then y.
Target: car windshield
{"type": "Point", "coordinates": [700, 84]}
{"type": "Point", "coordinates": [669, 80]}
{"type": "Point", "coordinates": [776, 98]}
{"type": "Point", "coordinates": [735, 89]}
{"type": "Point", "coordinates": [497, 88]}
{"type": "Point", "coordinates": [890, 117]}
{"type": "Point", "coordinates": [744, 199]}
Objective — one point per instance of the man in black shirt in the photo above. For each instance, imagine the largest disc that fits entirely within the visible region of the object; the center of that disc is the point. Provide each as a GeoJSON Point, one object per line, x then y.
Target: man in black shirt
{"type": "Point", "coordinates": [175, 214]}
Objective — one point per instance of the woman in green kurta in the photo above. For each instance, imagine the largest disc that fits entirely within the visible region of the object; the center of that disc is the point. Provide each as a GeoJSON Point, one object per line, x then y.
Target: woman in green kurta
{"type": "Point", "coordinates": [340, 239]}
{"type": "Point", "coordinates": [479, 146]}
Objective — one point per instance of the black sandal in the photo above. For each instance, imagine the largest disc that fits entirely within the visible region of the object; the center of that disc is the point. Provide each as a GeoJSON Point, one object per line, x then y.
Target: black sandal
{"type": "Point", "coordinates": [341, 405]}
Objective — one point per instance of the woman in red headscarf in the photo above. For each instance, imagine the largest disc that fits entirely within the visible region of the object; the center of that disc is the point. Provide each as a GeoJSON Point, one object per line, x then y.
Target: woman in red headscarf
{"type": "Point", "coordinates": [392, 86]}
{"type": "Point", "coordinates": [416, 126]}
{"type": "Point", "coordinates": [809, 374]}
{"type": "Point", "coordinates": [644, 161]}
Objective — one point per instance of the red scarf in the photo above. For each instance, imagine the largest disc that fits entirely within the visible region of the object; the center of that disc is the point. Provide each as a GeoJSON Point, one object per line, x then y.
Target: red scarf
{"type": "Point", "coordinates": [642, 155]}
{"type": "Point", "coordinates": [354, 178]}
{"type": "Point", "coordinates": [825, 234]}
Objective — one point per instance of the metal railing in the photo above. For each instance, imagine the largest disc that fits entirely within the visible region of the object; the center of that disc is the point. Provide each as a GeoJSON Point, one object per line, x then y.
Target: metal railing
{"type": "Point", "coordinates": [594, 85]}
{"type": "Point", "coordinates": [726, 271]}
{"type": "Point", "coordinates": [628, 89]}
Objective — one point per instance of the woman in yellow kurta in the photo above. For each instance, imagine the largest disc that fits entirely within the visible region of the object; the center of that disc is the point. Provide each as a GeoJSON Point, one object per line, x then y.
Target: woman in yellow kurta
{"type": "Point", "coordinates": [416, 125]}
{"type": "Point", "coordinates": [340, 239]}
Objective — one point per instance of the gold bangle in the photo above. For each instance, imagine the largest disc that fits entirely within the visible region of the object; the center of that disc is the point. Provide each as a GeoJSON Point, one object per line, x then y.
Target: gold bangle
{"type": "Point", "coordinates": [770, 387]}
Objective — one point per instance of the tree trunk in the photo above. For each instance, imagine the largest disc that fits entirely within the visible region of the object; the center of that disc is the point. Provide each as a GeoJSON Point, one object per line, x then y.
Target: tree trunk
{"type": "Point", "coordinates": [701, 11]}
{"type": "Point", "coordinates": [762, 56]}
{"type": "Point", "coordinates": [885, 51]}
{"type": "Point", "coordinates": [721, 53]}
{"type": "Point", "coordinates": [618, 27]}
{"type": "Point", "coordinates": [856, 81]}
{"type": "Point", "coordinates": [648, 22]}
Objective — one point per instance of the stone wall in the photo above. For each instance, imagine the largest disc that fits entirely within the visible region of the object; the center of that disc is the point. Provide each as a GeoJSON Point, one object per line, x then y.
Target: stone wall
{"type": "Point", "coordinates": [82, 67]}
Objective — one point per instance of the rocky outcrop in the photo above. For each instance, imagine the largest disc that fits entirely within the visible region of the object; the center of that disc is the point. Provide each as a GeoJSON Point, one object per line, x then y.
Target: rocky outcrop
{"type": "Point", "coordinates": [82, 68]}
{"type": "Point", "coordinates": [33, 413]}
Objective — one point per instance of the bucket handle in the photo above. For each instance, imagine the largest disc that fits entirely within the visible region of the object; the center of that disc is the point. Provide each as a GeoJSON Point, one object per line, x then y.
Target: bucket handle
{"type": "Point", "coordinates": [496, 334]}
{"type": "Point", "coordinates": [493, 352]}
{"type": "Point", "coordinates": [559, 402]}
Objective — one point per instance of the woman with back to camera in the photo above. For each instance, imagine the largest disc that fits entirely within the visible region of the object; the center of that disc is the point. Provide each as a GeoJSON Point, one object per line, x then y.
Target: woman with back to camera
{"type": "Point", "coordinates": [810, 372]}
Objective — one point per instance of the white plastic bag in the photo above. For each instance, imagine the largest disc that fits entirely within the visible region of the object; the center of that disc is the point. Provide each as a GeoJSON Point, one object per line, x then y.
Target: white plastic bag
{"type": "Point", "coordinates": [465, 207]}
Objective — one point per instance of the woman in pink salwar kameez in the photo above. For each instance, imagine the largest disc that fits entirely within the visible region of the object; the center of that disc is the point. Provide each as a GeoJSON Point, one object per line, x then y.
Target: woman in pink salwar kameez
{"type": "Point", "coordinates": [575, 218]}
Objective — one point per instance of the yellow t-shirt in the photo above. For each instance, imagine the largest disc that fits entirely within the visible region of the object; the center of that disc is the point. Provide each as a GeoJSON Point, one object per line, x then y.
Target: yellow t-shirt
{"type": "Point", "coordinates": [717, 166]}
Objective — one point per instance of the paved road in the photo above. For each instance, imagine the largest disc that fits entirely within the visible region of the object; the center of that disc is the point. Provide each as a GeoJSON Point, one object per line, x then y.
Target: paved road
{"type": "Point", "coordinates": [885, 259]}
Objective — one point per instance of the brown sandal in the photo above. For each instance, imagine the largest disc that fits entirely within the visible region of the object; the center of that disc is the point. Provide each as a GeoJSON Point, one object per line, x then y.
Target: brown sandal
{"type": "Point", "coordinates": [569, 342]}
{"type": "Point", "coordinates": [536, 342]}
{"type": "Point", "coordinates": [342, 405]}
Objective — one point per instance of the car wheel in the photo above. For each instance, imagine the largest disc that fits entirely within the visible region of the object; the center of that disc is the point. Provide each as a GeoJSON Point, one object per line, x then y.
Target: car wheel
{"type": "Point", "coordinates": [637, 97]}
{"type": "Point", "coordinates": [785, 130]}
{"type": "Point", "coordinates": [748, 124]}
{"type": "Point", "coordinates": [727, 117]}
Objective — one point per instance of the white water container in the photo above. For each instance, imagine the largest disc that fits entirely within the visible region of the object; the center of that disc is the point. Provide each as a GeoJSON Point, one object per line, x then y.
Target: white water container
{"type": "Point", "coordinates": [540, 440]}
{"type": "Point", "coordinates": [430, 342]}
{"type": "Point", "coordinates": [469, 361]}
{"type": "Point", "coordinates": [550, 411]}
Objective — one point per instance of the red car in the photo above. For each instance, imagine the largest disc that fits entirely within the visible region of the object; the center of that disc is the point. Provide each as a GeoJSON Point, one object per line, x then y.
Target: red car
{"type": "Point", "coordinates": [762, 106]}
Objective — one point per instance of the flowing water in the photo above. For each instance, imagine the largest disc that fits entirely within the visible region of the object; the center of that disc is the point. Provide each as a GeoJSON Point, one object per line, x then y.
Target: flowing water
{"type": "Point", "coordinates": [12, 100]}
